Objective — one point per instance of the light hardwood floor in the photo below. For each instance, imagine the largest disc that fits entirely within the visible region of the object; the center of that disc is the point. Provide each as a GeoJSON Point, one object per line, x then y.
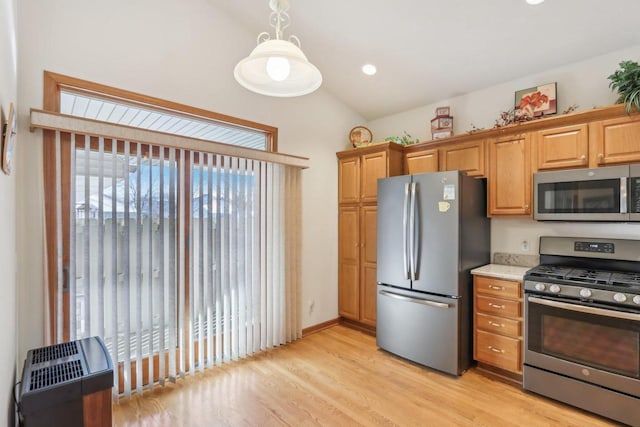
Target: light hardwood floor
{"type": "Point", "coordinates": [338, 377]}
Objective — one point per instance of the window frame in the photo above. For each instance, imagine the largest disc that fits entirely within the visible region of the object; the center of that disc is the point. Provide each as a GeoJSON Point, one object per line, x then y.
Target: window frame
{"type": "Point", "coordinates": [54, 84]}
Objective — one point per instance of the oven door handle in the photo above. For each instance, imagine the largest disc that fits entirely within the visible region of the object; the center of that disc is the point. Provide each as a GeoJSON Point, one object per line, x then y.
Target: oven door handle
{"type": "Point", "coordinates": [586, 309]}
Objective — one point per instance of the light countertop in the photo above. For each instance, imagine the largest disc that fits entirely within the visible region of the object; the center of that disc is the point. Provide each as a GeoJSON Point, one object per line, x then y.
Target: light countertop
{"type": "Point", "coordinates": [508, 272]}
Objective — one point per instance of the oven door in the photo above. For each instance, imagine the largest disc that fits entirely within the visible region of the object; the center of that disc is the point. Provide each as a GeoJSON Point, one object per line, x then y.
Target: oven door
{"type": "Point", "coordinates": [588, 342]}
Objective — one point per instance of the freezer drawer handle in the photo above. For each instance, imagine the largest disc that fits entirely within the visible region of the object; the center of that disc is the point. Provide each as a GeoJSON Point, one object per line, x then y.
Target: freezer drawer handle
{"type": "Point", "coordinates": [416, 300]}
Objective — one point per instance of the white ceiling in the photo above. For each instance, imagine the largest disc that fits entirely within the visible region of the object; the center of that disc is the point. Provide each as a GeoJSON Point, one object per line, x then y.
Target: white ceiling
{"type": "Point", "coordinates": [428, 50]}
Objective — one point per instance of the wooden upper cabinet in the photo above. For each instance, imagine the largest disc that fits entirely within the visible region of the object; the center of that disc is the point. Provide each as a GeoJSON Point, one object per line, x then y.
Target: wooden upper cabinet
{"type": "Point", "coordinates": [373, 166]}
{"type": "Point", "coordinates": [349, 180]}
{"type": "Point", "coordinates": [615, 140]}
{"type": "Point", "coordinates": [421, 162]}
{"type": "Point", "coordinates": [468, 157]}
{"type": "Point", "coordinates": [510, 175]}
{"type": "Point", "coordinates": [563, 147]}
{"type": "Point", "coordinates": [360, 169]}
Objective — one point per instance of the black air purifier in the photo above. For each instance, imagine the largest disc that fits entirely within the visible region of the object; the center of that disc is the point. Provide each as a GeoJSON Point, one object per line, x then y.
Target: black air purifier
{"type": "Point", "coordinates": [68, 385]}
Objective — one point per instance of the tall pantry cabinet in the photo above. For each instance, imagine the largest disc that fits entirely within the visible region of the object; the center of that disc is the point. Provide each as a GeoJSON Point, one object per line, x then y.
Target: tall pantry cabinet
{"type": "Point", "coordinates": [358, 173]}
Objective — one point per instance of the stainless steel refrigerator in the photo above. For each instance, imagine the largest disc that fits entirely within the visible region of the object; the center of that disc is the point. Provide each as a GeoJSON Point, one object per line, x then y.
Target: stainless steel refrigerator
{"type": "Point", "coordinates": [432, 230]}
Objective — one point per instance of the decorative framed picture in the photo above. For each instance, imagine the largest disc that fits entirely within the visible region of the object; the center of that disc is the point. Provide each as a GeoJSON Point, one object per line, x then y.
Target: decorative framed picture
{"type": "Point", "coordinates": [442, 111]}
{"type": "Point", "coordinates": [442, 134]}
{"type": "Point", "coordinates": [360, 136]}
{"type": "Point", "coordinates": [537, 101]}
{"type": "Point", "coordinates": [442, 123]}
{"type": "Point", "coordinates": [9, 140]}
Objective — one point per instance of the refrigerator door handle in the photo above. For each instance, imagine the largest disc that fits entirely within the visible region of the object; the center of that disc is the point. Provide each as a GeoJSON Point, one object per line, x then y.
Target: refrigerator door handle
{"type": "Point", "coordinates": [412, 234]}
{"type": "Point", "coordinates": [414, 300]}
{"type": "Point", "coordinates": [405, 266]}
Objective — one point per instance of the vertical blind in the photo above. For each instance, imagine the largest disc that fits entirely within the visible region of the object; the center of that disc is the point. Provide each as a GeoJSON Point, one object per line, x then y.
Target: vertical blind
{"type": "Point", "coordinates": [179, 260]}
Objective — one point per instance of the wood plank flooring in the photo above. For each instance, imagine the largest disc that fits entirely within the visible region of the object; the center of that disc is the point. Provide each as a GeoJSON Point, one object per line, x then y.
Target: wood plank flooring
{"type": "Point", "coordinates": [338, 377]}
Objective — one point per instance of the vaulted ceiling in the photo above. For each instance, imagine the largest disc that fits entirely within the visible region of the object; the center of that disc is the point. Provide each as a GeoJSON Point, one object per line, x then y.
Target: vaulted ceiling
{"type": "Point", "coordinates": [427, 50]}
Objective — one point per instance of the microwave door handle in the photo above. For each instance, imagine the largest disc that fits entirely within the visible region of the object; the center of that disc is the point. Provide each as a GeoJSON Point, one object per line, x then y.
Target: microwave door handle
{"type": "Point", "coordinates": [405, 267]}
{"type": "Point", "coordinates": [623, 195]}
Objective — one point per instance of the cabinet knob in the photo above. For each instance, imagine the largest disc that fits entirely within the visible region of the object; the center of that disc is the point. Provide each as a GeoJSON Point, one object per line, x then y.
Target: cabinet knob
{"type": "Point", "coordinates": [600, 156]}
{"type": "Point", "coordinates": [583, 157]}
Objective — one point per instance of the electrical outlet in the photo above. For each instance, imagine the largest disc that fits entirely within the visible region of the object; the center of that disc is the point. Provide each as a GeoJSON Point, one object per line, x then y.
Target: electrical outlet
{"type": "Point", "coordinates": [525, 246]}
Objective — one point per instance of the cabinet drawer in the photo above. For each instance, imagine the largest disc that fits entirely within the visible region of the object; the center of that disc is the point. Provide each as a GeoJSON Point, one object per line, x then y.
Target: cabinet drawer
{"type": "Point", "coordinates": [498, 287]}
{"type": "Point", "coordinates": [498, 325]}
{"type": "Point", "coordinates": [501, 307]}
{"type": "Point", "coordinates": [499, 351]}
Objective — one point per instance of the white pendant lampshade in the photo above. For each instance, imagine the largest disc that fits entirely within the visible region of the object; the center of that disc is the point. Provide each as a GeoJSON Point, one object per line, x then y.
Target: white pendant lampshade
{"type": "Point", "coordinates": [278, 67]}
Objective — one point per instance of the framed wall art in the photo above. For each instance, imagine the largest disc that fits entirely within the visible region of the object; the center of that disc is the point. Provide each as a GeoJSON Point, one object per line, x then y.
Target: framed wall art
{"type": "Point", "coordinates": [537, 101]}
{"type": "Point", "coordinates": [360, 136]}
{"type": "Point", "coordinates": [9, 132]}
{"type": "Point", "coordinates": [442, 111]}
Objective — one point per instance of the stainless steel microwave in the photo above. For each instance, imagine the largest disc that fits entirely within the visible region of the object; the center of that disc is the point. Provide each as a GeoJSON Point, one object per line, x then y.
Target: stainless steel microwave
{"type": "Point", "coordinates": [599, 194]}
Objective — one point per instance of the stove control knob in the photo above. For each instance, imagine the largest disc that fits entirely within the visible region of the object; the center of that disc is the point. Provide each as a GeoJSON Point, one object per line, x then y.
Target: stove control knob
{"type": "Point", "coordinates": [636, 299]}
{"type": "Point", "coordinates": [554, 289]}
{"type": "Point", "coordinates": [540, 287]}
{"type": "Point", "coordinates": [620, 297]}
{"type": "Point", "coordinates": [585, 293]}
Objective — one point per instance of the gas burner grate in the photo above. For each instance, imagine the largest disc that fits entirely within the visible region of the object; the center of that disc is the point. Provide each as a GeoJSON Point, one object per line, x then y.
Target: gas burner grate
{"type": "Point", "coordinates": [589, 276]}
{"type": "Point", "coordinates": [625, 279]}
{"type": "Point", "coordinates": [552, 271]}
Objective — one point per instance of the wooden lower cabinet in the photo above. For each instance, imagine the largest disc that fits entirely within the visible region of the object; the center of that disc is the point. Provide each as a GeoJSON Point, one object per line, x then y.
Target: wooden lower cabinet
{"type": "Point", "coordinates": [498, 325]}
{"type": "Point", "coordinates": [357, 275]}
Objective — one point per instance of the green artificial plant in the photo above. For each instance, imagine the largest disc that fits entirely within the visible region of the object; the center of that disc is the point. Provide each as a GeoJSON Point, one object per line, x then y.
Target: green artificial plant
{"type": "Point", "coordinates": [402, 140]}
{"type": "Point", "coordinates": [626, 81]}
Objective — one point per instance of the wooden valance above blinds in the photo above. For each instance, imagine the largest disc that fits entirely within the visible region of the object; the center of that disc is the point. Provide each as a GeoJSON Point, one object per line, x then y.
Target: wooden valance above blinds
{"type": "Point", "coordinates": [41, 119]}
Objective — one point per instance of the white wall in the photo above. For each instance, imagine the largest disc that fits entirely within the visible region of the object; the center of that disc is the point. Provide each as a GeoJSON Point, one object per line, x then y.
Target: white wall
{"type": "Point", "coordinates": [183, 52]}
{"type": "Point", "coordinates": [8, 299]}
{"type": "Point", "coordinates": [584, 83]}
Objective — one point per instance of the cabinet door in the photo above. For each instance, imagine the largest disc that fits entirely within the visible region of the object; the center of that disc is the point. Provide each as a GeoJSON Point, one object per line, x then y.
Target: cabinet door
{"type": "Point", "coordinates": [349, 180]}
{"type": "Point", "coordinates": [564, 147]}
{"type": "Point", "coordinates": [468, 157]}
{"type": "Point", "coordinates": [373, 166]}
{"type": "Point", "coordinates": [368, 286]}
{"type": "Point", "coordinates": [616, 140]}
{"type": "Point", "coordinates": [510, 175]}
{"type": "Point", "coordinates": [421, 162]}
{"type": "Point", "coordinates": [349, 263]}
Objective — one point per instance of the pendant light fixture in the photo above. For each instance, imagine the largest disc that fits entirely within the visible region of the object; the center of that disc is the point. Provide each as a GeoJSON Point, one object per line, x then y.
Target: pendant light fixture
{"type": "Point", "coordinates": [277, 67]}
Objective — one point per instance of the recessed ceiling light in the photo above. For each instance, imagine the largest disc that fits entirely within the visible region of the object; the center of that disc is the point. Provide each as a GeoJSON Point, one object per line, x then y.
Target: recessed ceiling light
{"type": "Point", "coordinates": [369, 69]}
{"type": "Point", "coordinates": [534, 2]}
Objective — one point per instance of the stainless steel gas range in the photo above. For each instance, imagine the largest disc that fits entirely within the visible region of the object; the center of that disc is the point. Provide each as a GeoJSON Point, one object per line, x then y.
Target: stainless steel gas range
{"type": "Point", "coordinates": [582, 325]}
